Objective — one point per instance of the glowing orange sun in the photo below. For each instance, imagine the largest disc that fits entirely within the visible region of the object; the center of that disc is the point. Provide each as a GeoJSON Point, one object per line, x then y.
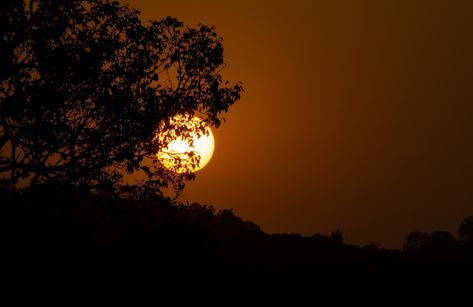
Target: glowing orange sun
{"type": "Point", "coordinates": [180, 153]}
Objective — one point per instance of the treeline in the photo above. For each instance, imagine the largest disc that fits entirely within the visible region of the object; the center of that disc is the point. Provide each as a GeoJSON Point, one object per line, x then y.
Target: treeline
{"type": "Point", "coordinates": [57, 225]}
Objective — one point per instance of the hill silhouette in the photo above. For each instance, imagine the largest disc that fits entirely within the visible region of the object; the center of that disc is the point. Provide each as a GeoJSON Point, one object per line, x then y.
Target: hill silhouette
{"type": "Point", "coordinates": [58, 226]}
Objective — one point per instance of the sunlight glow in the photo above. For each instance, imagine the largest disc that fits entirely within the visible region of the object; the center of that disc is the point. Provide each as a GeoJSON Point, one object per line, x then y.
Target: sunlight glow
{"type": "Point", "coordinates": [180, 152]}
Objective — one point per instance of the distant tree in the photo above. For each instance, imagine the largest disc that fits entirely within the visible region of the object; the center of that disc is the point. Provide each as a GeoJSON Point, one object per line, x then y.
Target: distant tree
{"type": "Point", "coordinates": [415, 241]}
{"type": "Point", "coordinates": [436, 246]}
{"type": "Point", "coordinates": [337, 236]}
{"type": "Point", "coordinates": [440, 242]}
{"type": "Point", "coordinates": [86, 87]}
{"type": "Point", "coordinates": [465, 231]}
{"type": "Point", "coordinates": [441, 246]}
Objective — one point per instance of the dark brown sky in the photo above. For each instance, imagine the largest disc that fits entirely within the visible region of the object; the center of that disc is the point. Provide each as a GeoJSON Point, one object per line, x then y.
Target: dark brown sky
{"type": "Point", "coordinates": [357, 115]}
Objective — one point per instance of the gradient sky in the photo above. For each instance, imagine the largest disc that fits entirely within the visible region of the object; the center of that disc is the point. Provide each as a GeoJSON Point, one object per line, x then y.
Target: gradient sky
{"type": "Point", "coordinates": [357, 115]}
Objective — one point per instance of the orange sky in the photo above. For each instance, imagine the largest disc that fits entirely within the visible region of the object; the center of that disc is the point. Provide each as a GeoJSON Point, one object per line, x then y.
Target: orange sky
{"type": "Point", "coordinates": [357, 115]}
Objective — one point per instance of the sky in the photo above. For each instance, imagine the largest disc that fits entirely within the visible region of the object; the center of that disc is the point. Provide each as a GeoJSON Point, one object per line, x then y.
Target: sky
{"type": "Point", "coordinates": [356, 115]}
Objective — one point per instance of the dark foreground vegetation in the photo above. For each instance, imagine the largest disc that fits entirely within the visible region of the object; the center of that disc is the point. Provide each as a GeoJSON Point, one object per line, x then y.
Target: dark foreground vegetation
{"type": "Point", "coordinates": [62, 227]}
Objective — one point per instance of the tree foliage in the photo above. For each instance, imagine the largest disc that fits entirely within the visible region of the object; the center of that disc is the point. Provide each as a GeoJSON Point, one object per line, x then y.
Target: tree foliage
{"type": "Point", "coordinates": [86, 86]}
{"type": "Point", "coordinates": [465, 230]}
{"type": "Point", "coordinates": [415, 241]}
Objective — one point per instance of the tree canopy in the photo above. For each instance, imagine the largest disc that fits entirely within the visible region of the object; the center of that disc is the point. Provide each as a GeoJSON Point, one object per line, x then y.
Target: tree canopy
{"type": "Point", "coordinates": [86, 87]}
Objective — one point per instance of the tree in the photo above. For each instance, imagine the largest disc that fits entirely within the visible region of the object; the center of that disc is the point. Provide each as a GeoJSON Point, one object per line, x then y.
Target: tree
{"type": "Point", "coordinates": [86, 87]}
{"type": "Point", "coordinates": [436, 246]}
{"type": "Point", "coordinates": [440, 243]}
{"type": "Point", "coordinates": [337, 236]}
{"type": "Point", "coordinates": [415, 241]}
{"type": "Point", "coordinates": [465, 231]}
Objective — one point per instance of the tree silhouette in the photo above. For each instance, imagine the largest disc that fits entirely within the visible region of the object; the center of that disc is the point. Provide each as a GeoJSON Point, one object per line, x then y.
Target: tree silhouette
{"type": "Point", "coordinates": [433, 247]}
{"type": "Point", "coordinates": [415, 241]}
{"type": "Point", "coordinates": [86, 87]}
{"type": "Point", "coordinates": [440, 245]}
{"type": "Point", "coordinates": [337, 236]}
{"type": "Point", "coordinates": [465, 230]}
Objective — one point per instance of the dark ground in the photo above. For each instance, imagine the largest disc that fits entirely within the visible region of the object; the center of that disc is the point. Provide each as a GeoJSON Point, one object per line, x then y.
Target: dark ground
{"type": "Point", "coordinates": [77, 233]}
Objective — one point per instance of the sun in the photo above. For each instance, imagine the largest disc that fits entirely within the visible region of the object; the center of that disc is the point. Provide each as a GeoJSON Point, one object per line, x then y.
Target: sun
{"type": "Point", "coordinates": [191, 144]}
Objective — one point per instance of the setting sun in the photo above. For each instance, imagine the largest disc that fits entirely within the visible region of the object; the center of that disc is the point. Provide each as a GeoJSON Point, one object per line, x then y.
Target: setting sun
{"type": "Point", "coordinates": [180, 152]}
